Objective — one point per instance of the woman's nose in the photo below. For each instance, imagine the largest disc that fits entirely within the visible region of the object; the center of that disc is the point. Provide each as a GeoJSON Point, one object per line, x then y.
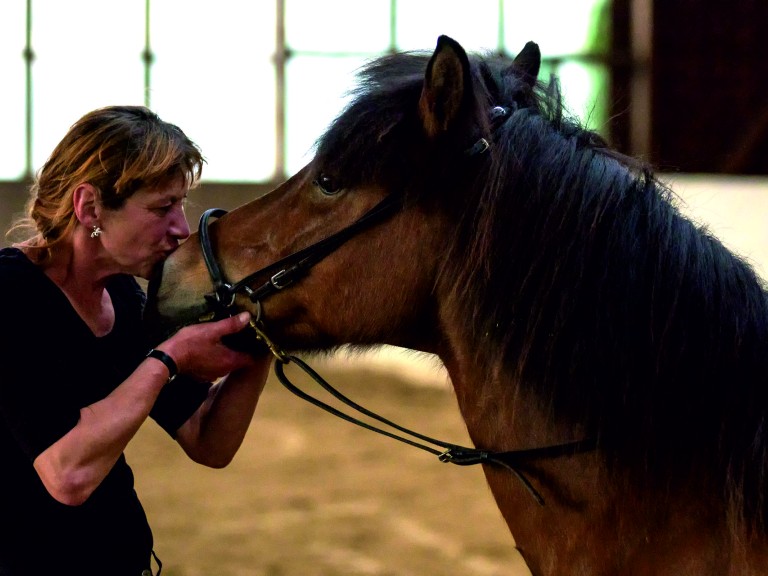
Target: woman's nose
{"type": "Point", "coordinates": [180, 226]}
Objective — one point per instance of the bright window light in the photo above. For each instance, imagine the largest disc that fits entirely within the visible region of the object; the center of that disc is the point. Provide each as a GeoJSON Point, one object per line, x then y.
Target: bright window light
{"type": "Point", "coordinates": [87, 55]}
{"type": "Point", "coordinates": [324, 26]}
{"type": "Point", "coordinates": [12, 117]}
{"type": "Point", "coordinates": [214, 66]}
{"type": "Point", "coordinates": [559, 28]}
{"type": "Point", "coordinates": [583, 87]}
{"type": "Point", "coordinates": [316, 92]}
{"type": "Point", "coordinates": [214, 76]}
{"type": "Point", "coordinates": [474, 24]}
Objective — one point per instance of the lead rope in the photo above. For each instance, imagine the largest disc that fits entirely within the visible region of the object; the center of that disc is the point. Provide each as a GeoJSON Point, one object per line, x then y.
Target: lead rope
{"type": "Point", "coordinates": [452, 453]}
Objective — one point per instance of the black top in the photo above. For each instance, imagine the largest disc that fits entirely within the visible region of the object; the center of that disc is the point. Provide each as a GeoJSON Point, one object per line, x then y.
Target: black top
{"type": "Point", "coordinates": [51, 366]}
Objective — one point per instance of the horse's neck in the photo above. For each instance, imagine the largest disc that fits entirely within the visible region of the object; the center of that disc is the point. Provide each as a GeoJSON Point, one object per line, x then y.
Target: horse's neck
{"type": "Point", "coordinates": [593, 522]}
{"type": "Point", "coordinates": [500, 415]}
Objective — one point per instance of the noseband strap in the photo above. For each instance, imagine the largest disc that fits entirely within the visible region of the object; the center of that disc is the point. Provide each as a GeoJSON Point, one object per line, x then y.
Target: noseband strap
{"type": "Point", "coordinates": [285, 271]}
{"type": "Point", "coordinates": [223, 293]}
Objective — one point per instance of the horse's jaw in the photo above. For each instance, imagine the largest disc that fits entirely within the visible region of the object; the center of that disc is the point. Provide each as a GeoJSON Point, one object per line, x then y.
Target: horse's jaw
{"type": "Point", "coordinates": [172, 302]}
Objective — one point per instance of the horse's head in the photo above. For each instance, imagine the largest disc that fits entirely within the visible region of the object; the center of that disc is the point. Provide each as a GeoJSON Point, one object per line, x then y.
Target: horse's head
{"type": "Point", "coordinates": [412, 135]}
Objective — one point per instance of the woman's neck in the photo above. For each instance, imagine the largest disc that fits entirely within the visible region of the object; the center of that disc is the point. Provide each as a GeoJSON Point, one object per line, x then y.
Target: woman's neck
{"type": "Point", "coordinates": [76, 274]}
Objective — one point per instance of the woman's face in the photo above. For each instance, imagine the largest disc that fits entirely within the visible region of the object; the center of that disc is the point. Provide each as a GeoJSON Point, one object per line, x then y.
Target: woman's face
{"type": "Point", "coordinates": [146, 229]}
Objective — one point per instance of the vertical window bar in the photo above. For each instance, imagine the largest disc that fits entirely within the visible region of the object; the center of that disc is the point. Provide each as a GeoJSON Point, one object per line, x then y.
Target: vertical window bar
{"type": "Point", "coordinates": [501, 46]}
{"type": "Point", "coordinates": [641, 50]}
{"type": "Point", "coordinates": [392, 26]}
{"type": "Point", "coordinates": [29, 57]}
{"type": "Point", "coordinates": [148, 57]}
{"type": "Point", "coordinates": [281, 57]}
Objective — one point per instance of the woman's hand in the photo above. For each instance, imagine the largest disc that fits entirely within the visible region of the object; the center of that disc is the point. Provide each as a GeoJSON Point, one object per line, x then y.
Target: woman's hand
{"type": "Point", "coordinates": [199, 352]}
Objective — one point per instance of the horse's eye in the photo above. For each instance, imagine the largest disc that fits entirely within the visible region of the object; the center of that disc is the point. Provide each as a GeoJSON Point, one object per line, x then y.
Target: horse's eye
{"type": "Point", "coordinates": [327, 185]}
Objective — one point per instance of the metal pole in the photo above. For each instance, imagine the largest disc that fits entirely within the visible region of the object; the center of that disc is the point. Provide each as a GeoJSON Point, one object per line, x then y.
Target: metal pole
{"type": "Point", "coordinates": [280, 59]}
{"type": "Point", "coordinates": [147, 56]}
{"type": "Point", "coordinates": [29, 57]}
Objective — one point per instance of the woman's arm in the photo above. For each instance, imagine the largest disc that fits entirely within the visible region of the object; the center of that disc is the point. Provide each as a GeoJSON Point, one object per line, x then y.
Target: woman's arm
{"type": "Point", "coordinates": [73, 466]}
{"type": "Point", "coordinates": [214, 433]}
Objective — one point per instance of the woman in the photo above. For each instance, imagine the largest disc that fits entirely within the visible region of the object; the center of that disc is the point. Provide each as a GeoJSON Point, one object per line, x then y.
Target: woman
{"type": "Point", "coordinates": [78, 376]}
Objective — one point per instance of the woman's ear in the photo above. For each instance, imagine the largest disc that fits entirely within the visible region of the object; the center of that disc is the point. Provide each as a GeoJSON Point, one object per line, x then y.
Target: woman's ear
{"type": "Point", "coordinates": [85, 205]}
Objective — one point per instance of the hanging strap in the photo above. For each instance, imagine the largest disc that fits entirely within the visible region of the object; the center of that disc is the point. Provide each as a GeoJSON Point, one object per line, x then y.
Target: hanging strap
{"type": "Point", "coordinates": [452, 453]}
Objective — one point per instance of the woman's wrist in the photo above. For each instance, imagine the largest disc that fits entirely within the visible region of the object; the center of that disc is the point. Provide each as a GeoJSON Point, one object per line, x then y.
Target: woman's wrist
{"type": "Point", "coordinates": [167, 360]}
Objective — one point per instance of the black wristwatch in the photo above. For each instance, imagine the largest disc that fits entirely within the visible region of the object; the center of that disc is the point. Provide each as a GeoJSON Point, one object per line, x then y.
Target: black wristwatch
{"type": "Point", "coordinates": [173, 370]}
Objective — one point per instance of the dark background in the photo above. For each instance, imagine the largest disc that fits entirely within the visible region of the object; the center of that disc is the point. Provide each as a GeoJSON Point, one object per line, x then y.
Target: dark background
{"type": "Point", "coordinates": [708, 72]}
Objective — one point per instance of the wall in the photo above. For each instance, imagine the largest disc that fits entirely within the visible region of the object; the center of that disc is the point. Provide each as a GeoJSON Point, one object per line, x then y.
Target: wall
{"type": "Point", "coordinates": [734, 208]}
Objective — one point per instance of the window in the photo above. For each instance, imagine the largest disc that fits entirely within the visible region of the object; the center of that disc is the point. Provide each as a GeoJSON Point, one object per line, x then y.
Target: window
{"type": "Point", "coordinates": [213, 74]}
{"type": "Point", "coordinates": [254, 83]}
{"type": "Point", "coordinates": [86, 54]}
{"type": "Point", "coordinates": [13, 95]}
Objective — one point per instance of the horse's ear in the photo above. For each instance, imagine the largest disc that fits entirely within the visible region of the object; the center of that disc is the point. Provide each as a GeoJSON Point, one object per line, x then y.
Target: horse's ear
{"type": "Point", "coordinates": [447, 87]}
{"type": "Point", "coordinates": [528, 61]}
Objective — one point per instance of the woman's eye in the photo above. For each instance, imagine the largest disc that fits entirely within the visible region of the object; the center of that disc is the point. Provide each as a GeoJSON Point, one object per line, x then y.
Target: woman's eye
{"type": "Point", "coordinates": [327, 185]}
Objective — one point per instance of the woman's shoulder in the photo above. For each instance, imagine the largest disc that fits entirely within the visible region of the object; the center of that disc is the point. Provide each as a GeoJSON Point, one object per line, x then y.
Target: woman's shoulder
{"type": "Point", "coordinates": [24, 286]}
{"type": "Point", "coordinates": [15, 264]}
{"type": "Point", "coordinates": [11, 257]}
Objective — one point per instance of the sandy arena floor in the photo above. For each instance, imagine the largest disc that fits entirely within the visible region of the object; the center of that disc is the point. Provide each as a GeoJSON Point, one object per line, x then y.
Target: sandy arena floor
{"type": "Point", "coordinates": [312, 495]}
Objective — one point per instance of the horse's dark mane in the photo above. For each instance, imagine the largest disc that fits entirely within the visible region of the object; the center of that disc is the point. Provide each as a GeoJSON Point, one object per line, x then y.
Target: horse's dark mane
{"type": "Point", "coordinates": [575, 268]}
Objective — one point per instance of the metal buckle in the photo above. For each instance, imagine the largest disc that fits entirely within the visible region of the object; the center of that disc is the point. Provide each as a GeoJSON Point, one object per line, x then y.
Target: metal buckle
{"type": "Point", "coordinates": [223, 291]}
{"type": "Point", "coordinates": [260, 335]}
{"type": "Point", "coordinates": [275, 280]}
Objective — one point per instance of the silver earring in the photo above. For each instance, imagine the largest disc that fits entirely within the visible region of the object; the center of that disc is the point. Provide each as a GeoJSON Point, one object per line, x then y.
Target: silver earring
{"type": "Point", "coordinates": [96, 232]}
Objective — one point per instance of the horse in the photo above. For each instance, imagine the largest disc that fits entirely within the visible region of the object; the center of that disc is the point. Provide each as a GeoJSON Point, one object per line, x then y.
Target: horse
{"type": "Point", "coordinates": [614, 349]}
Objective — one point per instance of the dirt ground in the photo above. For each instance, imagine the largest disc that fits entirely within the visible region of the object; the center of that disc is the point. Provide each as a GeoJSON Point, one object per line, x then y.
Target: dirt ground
{"type": "Point", "coordinates": [311, 495]}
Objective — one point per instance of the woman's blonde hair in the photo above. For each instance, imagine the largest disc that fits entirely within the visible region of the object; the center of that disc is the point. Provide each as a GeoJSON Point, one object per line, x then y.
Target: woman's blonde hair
{"type": "Point", "coordinates": [118, 150]}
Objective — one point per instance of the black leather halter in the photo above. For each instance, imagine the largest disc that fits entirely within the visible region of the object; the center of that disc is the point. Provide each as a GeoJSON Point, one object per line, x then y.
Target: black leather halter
{"type": "Point", "coordinates": [288, 269]}
{"type": "Point", "coordinates": [285, 271]}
